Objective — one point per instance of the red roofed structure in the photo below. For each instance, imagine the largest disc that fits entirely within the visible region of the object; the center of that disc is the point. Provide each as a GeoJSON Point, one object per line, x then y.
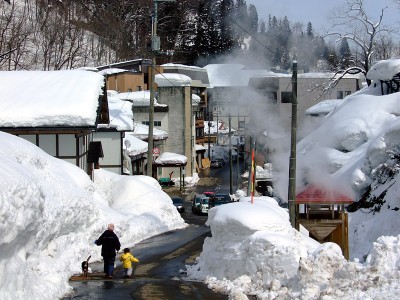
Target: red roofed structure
{"type": "Point", "coordinates": [314, 195]}
{"type": "Point", "coordinates": [322, 213]}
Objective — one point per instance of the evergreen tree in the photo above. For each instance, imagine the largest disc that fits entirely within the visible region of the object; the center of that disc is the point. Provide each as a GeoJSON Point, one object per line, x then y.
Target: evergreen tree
{"type": "Point", "coordinates": [310, 32]}
{"type": "Point", "coordinates": [263, 28]}
{"type": "Point", "coordinates": [344, 54]}
{"type": "Point", "coordinates": [204, 36]}
{"type": "Point", "coordinates": [253, 19]}
{"type": "Point", "coordinates": [225, 28]}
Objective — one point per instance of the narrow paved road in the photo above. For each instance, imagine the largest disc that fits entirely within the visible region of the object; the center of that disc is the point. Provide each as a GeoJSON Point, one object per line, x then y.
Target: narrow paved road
{"type": "Point", "coordinates": [160, 274]}
{"type": "Point", "coordinates": [163, 259]}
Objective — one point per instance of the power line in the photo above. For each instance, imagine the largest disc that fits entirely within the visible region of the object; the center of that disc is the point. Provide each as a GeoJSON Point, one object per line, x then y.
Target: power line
{"type": "Point", "coordinates": [250, 34]}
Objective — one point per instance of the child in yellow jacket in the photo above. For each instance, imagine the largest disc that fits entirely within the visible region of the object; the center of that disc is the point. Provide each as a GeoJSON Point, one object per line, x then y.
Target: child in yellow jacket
{"type": "Point", "coordinates": [127, 259]}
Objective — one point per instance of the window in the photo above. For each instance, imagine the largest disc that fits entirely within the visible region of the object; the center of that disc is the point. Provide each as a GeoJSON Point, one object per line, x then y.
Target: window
{"type": "Point", "coordinates": [199, 132]}
{"type": "Point", "coordinates": [286, 97]}
{"type": "Point", "coordinates": [241, 124]}
{"type": "Point", "coordinates": [156, 123]}
{"type": "Point", "coordinates": [347, 93]}
{"type": "Point", "coordinates": [271, 96]}
{"type": "Point", "coordinates": [339, 94]}
{"type": "Point", "coordinates": [139, 88]}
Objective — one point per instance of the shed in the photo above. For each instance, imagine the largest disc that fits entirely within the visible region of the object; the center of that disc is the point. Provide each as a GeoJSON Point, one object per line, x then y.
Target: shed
{"type": "Point", "coordinates": [322, 212]}
{"type": "Point", "coordinates": [171, 160]}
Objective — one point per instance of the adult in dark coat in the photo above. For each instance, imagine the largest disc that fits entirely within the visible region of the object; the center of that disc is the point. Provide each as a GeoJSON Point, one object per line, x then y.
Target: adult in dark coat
{"type": "Point", "coordinates": [110, 246]}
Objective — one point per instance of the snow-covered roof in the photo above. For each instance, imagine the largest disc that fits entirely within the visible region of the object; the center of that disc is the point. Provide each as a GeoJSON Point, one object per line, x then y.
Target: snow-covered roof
{"type": "Point", "coordinates": [225, 75]}
{"type": "Point", "coordinates": [168, 158]}
{"type": "Point", "coordinates": [384, 69]}
{"type": "Point", "coordinates": [172, 65]}
{"type": "Point", "coordinates": [49, 98]}
{"type": "Point", "coordinates": [198, 147]}
{"type": "Point", "coordinates": [138, 98]}
{"type": "Point", "coordinates": [172, 79]}
{"type": "Point", "coordinates": [195, 99]}
{"type": "Point", "coordinates": [221, 75]}
{"type": "Point", "coordinates": [133, 145]}
{"type": "Point", "coordinates": [141, 131]}
{"type": "Point", "coordinates": [324, 107]}
{"type": "Point", "coordinates": [112, 71]}
{"type": "Point", "coordinates": [121, 115]}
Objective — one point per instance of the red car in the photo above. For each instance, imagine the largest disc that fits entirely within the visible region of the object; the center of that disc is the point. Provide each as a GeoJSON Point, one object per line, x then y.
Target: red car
{"type": "Point", "coordinates": [209, 194]}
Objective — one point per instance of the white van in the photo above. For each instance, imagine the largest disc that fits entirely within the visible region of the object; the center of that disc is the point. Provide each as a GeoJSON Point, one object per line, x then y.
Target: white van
{"type": "Point", "coordinates": [200, 204]}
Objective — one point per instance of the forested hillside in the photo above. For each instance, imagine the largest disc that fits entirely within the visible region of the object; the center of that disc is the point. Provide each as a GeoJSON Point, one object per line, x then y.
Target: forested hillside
{"type": "Point", "coordinates": [55, 34]}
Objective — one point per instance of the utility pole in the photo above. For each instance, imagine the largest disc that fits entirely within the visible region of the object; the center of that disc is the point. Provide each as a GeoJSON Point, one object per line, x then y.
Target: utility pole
{"type": "Point", "coordinates": [217, 127]}
{"type": "Point", "coordinates": [292, 161]}
{"type": "Point", "coordinates": [237, 164]}
{"type": "Point", "coordinates": [209, 137]}
{"type": "Point", "coordinates": [230, 156]}
{"type": "Point", "coordinates": [250, 169]}
{"type": "Point", "coordinates": [155, 47]}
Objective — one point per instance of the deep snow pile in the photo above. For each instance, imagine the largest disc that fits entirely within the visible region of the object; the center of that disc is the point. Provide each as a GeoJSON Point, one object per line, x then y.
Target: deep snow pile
{"type": "Point", "coordinates": [51, 212]}
{"type": "Point", "coordinates": [254, 251]}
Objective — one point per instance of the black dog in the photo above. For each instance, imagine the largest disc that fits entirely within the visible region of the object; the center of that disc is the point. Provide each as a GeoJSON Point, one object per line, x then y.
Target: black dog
{"type": "Point", "coordinates": [85, 266]}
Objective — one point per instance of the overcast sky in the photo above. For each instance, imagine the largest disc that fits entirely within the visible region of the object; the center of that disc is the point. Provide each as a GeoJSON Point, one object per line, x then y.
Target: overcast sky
{"type": "Point", "coordinates": [317, 11]}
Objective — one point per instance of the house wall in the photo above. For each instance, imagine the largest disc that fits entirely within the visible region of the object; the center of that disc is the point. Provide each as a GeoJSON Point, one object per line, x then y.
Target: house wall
{"type": "Point", "coordinates": [111, 142]}
{"type": "Point", "coordinates": [142, 115]}
{"type": "Point", "coordinates": [126, 82]}
{"type": "Point", "coordinates": [71, 148]}
{"type": "Point", "coordinates": [309, 93]}
{"type": "Point", "coordinates": [230, 103]}
{"type": "Point", "coordinates": [262, 100]}
{"type": "Point", "coordinates": [180, 125]}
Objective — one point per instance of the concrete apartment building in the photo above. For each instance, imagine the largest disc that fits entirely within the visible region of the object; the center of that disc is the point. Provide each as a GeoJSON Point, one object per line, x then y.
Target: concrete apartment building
{"type": "Point", "coordinates": [181, 100]}
{"type": "Point", "coordinates": [246, 97]}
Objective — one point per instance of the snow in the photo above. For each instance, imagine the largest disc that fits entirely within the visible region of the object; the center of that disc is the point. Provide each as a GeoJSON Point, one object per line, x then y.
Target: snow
{"type": "Point", "coordinates": [133, 145]}
{"type": "Point", "coordinates": [253, 249]}
{"type": "Point", "coordinates": [172, 79]}
{"type": "Point", "coordinates": [324, 107]}
{"type": "Point", "coordinates": [384, 70]}
{"type": "Point", "coordinates": [141, 131]}
{"type": "Point", "coordinates": [121, 115]}
{"type": "Point", "coordinates": [112, 71]}
{"type": "Point", "coordinates": [138, 98]}
{"type": "Point", "coordinates": [35, 98]}
{"type": "Point", "coordinates": [171, 158]}
{"type": "Point", "coordinates": [51, 212]}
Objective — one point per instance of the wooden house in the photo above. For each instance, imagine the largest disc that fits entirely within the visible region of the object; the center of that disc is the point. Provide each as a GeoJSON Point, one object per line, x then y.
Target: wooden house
{"type": "Point", "coordinates": [58, 111]}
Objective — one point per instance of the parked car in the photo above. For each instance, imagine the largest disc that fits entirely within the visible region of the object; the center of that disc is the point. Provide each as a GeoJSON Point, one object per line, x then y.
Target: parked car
{"type": "Point", "coordinates": [215, 164]}
{"type": "Point", "coordinates": [222, 161]}
{"type": "Point", "coordinates": [219, 199]}
{"type": "Point", "coordinates": [209, 194]}
{"type": "Point", "coordinates": [179, 204]}
{"type": "Point", "coordinates": [200, 204]}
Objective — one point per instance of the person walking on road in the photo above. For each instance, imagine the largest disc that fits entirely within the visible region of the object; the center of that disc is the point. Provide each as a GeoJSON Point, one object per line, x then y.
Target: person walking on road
{"type": "Point", "coordinates": [110, 246]}
{"type": "Point", "coordinates": [127, 259]}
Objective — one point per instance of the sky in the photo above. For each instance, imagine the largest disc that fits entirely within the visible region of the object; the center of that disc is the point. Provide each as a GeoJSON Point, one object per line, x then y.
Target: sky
{"type": "Point", "coordinates": [51, 213]}
{"type": "Point", "coordinates": [317, 11]}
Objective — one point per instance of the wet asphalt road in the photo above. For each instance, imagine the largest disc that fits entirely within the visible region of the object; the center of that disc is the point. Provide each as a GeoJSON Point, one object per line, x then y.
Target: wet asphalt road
{"type": "Point", "coordinates": [160, 274]}
{"type": "Point", "coordinates": [163, 259]}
